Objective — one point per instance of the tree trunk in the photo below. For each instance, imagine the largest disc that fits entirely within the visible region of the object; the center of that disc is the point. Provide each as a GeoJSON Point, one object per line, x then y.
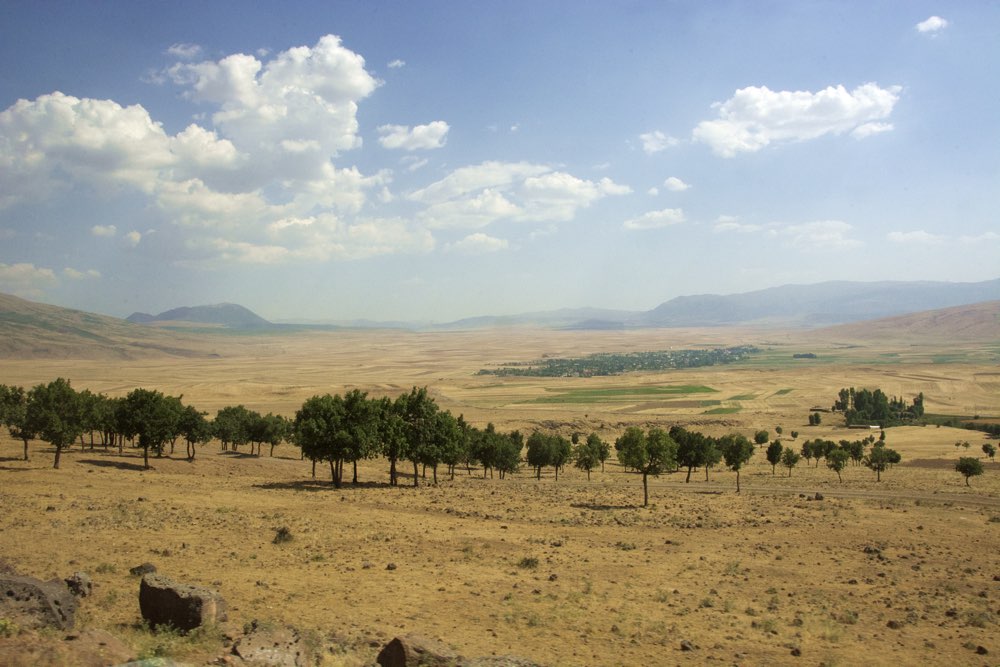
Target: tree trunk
{"type": "Point", "coordinates": [557, 473]}
{"type": "Point", "coordinates": [688, 478]}
{"type": "Point", "coordinates": [645, 491]}
{"type": "Point", "coordinates": [272, 450]}
{"type": "Point", "coordinates": [737, 480]}
{"type": "Point", "coordinates": [314, 468]}
{"type": "Point", "coordinates": [392, 472]}
{"type": "Point", "coordinates": [588, 474]}
{"type": "Point", "coordinates": [434, 468]}
{"type": "Point", "coordinates": [416, 477]}
{"type": "Point", "coordinates": [355, 480]}
{"type": "Point", "coordinates": [538, 472]}
{"type": "Point", "coordinates": [25, 448]}
{"type": "Point", "coordinates": [145, 457]}
{"type": "Point", "coordinates": [58, 452]}
{"type": "Point", "coordinates": [706, 473]}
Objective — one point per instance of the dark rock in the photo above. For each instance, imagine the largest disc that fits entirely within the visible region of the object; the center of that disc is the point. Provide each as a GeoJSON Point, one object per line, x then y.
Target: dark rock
{"type": "Point", "coordinates": [411, 650]}
{"type": "Point", "coordinates": [80, 584]}
{"type": "Point", "coordinates": [687, 646]}
{"type": "Point", "coordinates": [139, 570]}
{"type": "Point", "coordinates": [390, 566]}
{"type": "Point", "coordinates": [818, 496]}
{"type": "Point", "coordinates": [894, 625]}
{"type": "Point", "coordinates": [34, 604]}
{"type": "Point", "coordinates": [271, 646]}
{"type": "Point", "coordinates": [183, 606]}
{"type": "Point", "coordinates": [796, 651]}
{"type": "Point", "coordinates": [981, 650]}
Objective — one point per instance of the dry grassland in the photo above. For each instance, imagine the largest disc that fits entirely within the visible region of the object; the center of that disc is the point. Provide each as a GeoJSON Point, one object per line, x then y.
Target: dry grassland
{"type": "Point", "coordinates": [572, 572]}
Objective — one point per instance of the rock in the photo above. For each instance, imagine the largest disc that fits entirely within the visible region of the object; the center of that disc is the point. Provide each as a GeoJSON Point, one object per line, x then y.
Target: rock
{"type": "Point", "coordinates": [981, 650]}
{"type": "Point", "coordinates": [271, 646]}
{"type": "Point", "coordinates": [818, 496]}
{"type": "Point", "coordinates": [80, 584]}
{"type": "Point", "coordinates": [412, 650]}
{"type": "Point", "coordinates": [96, 647]}
{"type": "Point", "coordinates": [894, 625]}
{"type": "Point", "coordinates": [183, 606]}
{"type": "Point", "coordinates": [687, 646]}
{"type": "Point", "coordinates": [796, 651]}
{"type": "Point", "coordinates": [34, 604]}
{"type": "Point", "coordinates": [390, 566]}
{"type": "Point", "coordinates": [139, 570]}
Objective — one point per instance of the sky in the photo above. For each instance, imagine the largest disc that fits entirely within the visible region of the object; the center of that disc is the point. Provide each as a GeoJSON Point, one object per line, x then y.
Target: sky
{"type": "Point", "coordinates": [428, 161]}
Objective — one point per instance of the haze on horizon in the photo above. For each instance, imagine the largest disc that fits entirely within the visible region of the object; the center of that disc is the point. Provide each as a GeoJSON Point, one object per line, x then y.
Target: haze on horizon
{"type": "Point", "coordinates": [432, 161]}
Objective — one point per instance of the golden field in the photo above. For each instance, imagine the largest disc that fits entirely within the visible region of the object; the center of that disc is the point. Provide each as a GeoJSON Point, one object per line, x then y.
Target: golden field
{"type": "Point", "coordinates": [567, 572]}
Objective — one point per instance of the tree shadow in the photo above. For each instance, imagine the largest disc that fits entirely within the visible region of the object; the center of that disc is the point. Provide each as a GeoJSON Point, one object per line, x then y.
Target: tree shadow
{"type": "Point", "coordinates": [319, 485]}
{"type": "Point", "coordinates": [241, 455]}
{"type": "Point", "coordinates": [602, 508]}
{"type": "Point", "coordinates": [13, 469]}
{"type": "Point", "coordinates": [120, 465]}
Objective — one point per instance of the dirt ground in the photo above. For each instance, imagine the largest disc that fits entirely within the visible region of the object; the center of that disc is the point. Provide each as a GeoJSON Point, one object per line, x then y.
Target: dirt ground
{"type": "Point", "coordinates": [567, 572]}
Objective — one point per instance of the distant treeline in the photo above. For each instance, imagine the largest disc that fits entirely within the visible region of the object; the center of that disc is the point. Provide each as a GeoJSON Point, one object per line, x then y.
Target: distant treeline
{"type": "Point", "coordinates": [865, 406]}
{"type": "Point", "coordinates": [618, 363]}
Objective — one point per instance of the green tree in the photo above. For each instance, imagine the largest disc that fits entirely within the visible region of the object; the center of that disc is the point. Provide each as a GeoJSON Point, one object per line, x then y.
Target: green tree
{"type": "Point", "coordinates": [795, 434]}
{"type": "Point", "coordinates": [760, 437]}
{"type": "Point", "coordinates": [194, 428]}
{"type": "Point", "coordinates": [562, 452]}
{"type": "Point", "coordinates": [807, 451]}
{"type": "Point", "coordinates": [455, 445]}
{"type": "Point", "coordinates": [417, 410]}
{"type": "Point", "coordinates": [969, 466]}
{"type": "Point", "coordinates": [790, 459]}
{"type": "Point", "coordinates": [774, 454]}
{"type": "Point", "coordinates": [736, 450]}
{"type": "Point", "coordinates": [989, 450]}
{"type": "Point", "coordinates": [836, 460]}
{"type": "Point", "coordinates": [150, 417]}
{"type": "Point", "coordinates": [273, 429]}
{"type": "Point", "coordinates": [603, 448]}
{"type": "Point", "coordinates": [539, 452]}
{"type": "Point", "coordinates": [779, 430]}
{"type": "Point", "coordinates": [879, 458]}
{"type": "Point", "coordinates": [390, 431]}
{"type": "Point", "coordinates": [319, 429]}
{"type": "Point", "coordinates": [232, 426]}
{"type": "Point", "coordinates": [14, 415]}
{"type": "Point", "coordinates": [53, 414]}
{"type": "Point", "coordinates": [650, 454]}
{"type": "Point", "coordinates": [587, 455]}
{"type": "Point", "coordinates": [694, 450]}
{"type": "Point", "coordinates": [508, 452]}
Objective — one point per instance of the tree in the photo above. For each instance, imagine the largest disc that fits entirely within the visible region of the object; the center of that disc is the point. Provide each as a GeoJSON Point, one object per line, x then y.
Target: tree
{"type": "Point", "coordinates": [650, 454]}
{"type": "Point", "coordinates": [417, 410]}
{"type": "Point", "coordinates": [195, 429]}
{"type": "Point", "coordinates": [807, 451]}
{"type": "Point", "coordinates": [836, 460]}
{"type": "Point", "coordinates": [760, 437]}
{"type": "Point", "coordinates": [602, 448]}
{"type": "Point", "coordinates": [390, 432]}
{"type": "Point", "coordinates": [232, 426]}
{"type": "Point", "coordinates": [587, 455]}
{"type": "Point", "coordinates": [538, 454]}
{"type": "Point", "coordinates": [989, 450]}
{"type": "Point", "coordinates": [790, 459]}
{"type": "Point", "coordinates": [14, 415]}
{"type": "Point", "coordinates": [736, 450]}
{"type": "Point", "coordinates": [795, 434]}
{"type": "Point", "coordinates": [969, 466]}
{"type": "Point", "coordinates": [779, 430]}
{"type": "Point", "coordinates": [561, 452]}
{"type": "Point", "coordinates": [53, 414]}
{"type": "Point", "coordinates": [320, 433]}
{"type": "Point", "coordinates": [879, 458]}
{"type": "Point", "coordinates": [150, 416]}
{"type": "Point", "coordinates": [815, 419]}
{"type": "Point", "coordinates": [694, 450]}
{"type": "Point", "coordinates": [774, 454]}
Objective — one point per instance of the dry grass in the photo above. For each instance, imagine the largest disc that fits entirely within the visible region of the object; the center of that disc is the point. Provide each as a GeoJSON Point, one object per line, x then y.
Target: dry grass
{"type": "Point", "coordinates": [745, 578]}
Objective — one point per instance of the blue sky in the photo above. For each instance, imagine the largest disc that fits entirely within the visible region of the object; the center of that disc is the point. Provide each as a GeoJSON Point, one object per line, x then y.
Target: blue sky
{"type": "Point", "coordinates": [436, 160]}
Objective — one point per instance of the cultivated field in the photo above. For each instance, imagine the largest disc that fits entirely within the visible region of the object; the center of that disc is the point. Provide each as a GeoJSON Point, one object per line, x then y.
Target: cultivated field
{"type": "Point", "coordinates": [572, 572]}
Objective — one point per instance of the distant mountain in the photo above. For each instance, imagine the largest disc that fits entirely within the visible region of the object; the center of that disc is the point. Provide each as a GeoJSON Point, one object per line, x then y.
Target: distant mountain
{"type": "Point", "coordinates": [30, 330]}
{"type": "Point", "coordinates": [816, 305]}
{"type": "Point", "coordinates": [228, 315]}
{"type": "Point", "coordinates": [565, 318]}
{"type": "Point", "coordinates": [968, 323]}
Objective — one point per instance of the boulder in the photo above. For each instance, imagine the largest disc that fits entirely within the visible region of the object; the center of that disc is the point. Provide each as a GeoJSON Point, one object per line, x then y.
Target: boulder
{"type": "Point", "coordinates": [411, 650]}
{"type": "Point", "coordinates": [79, 584]}
{"type": "Point", "coordinates": [33, 603]}
{"type": "Point", "coordinates": [139, 570]}
{"type": "Point", "coordinates": [182, 606]}
{"type": "Point", "coordinates": [271, 646]}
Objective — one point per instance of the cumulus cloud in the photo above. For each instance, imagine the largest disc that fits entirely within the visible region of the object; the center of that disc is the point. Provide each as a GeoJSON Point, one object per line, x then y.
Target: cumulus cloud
{"type": "Point", "coordinates": [26, 279]}
{"type": "Point", "coordinates": [432, 135]}
{"type": "Point", "coordinates": [479, 195]}
{"type": "Point", "coordinates": [133, 238]}
{"type": "Point", "coordinates": [184, 51]}
{"type": "Point", "coordinates": [730, 223]}
{"type": "Point", "coordinates": [918, 237]}
{"type": "Point", "coordinates": [396, 64]}
{"type": "Point", "coordinates": [103, 230]}
{"type": "Point", "coordinates": [656, 219]}
{"type": "Point", "coordinates": [656, 141]}
{"type": "Point", "coordinates": [73, 274]}
{"type": "Point", "coordinates": [755, 117]}
{"type": "Point", "coordinates": [675, 184]}
{"type": "Point", "coordinates": [931, 25]}
{"type": "Point", "coordinates": [477, 244]}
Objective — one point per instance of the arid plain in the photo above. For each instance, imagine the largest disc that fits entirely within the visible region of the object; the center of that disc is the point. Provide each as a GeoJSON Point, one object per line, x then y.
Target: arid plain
{"type": "Point", "coordinates": [567, 572]}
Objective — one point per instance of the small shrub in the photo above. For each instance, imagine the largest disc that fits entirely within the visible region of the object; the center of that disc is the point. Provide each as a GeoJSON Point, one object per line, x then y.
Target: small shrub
{"type": "Point", "coordinates": [8, 628]}
{"type": "Point", "coordinates": [528, 563]}
{"type": "Point", "coordinates": [282, 535]}
{"type": "Point", "coordinates": [625, 546]}
{"type": "Point", "coordinates": [105, 568]}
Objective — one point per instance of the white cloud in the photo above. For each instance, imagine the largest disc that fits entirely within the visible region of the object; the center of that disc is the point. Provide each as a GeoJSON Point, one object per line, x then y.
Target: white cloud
{"type": "Point", "coordinates": [653, 191]}
{"type": "Point", "coordinates": [823, 234]}
{"type": "Point", "coordinates": [985, 237]}
{"type": "Point", "coordinates": [133, 238]}
{"type": "Point", "coordinates": [932, 25]}
{"type": "Point", "coordinates": [73, 274]}
{"type": "Point", "coordinates": [103, 230]}
{"type": "Point", "coordinates": [26, 279]}
{"type": "Point", "coordinates": [757, 116]}
{"type": "Point", "coordinates": [656, 219]}
{"type": "Point", "coordinates": [414, 163]}
{"type": "Point", "coordinates": [918, 237]}
{"type": "Point", "coordinates": [432, 135]}
{"type": "Point", "coordinates": [184, 51]}
{"type": "Point", "coordinates": [675, 184]}
{"type": "Point", "coordinates": [479, 195]}
{"type": "Point", "coordinates": [396, 64]}
{"type": "Point", "coordinates": [730, 223]}
{"type": "Point", "coordinates": [477, 244]}
{"type": "Point", "coordinates": [656, 141]}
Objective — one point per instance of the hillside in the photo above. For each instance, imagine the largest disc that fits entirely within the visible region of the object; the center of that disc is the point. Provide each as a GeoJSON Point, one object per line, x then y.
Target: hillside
{"type": "Point", "coordinates": [228, 315]}
{"type": "Point", "coordinates": [30, 330]}
{"type": "Point", "coordinates": [975, 322]}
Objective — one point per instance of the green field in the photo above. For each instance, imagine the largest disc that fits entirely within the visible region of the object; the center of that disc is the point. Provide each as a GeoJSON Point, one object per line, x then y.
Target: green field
{"type": "Point", "coordinates": [622, 394]}
{"type": "Point", "coordinates": [743, 397]}
{"type": "Point", "coordinates": [782, 392]}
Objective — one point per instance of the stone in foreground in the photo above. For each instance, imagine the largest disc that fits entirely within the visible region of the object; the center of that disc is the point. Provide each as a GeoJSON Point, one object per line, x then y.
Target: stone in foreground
{"type": "Point", "coordinates": [36, 604]}
{"type": "Point", "coordinates": [164, 602]}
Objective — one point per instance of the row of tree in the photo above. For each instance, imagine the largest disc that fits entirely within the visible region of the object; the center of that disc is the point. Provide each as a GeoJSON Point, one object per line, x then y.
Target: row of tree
{"type": "Point", "coordinates": [836, 454]}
